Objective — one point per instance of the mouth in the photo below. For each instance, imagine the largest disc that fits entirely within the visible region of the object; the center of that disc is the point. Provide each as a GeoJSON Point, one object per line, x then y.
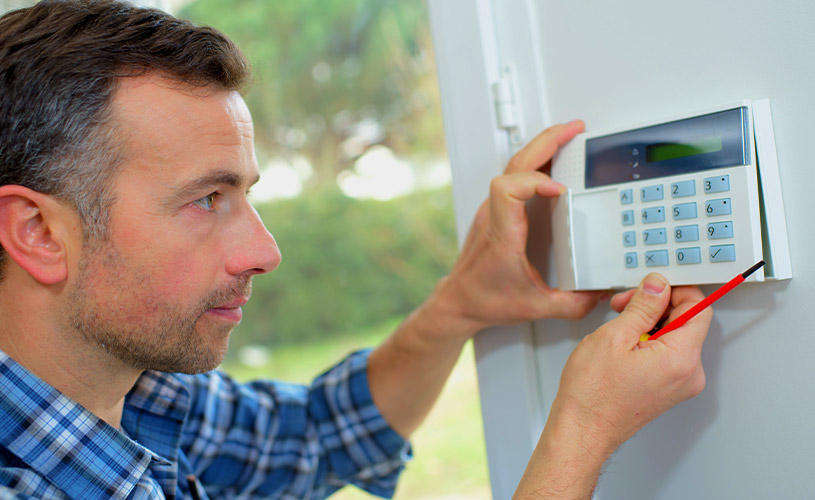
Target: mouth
{"type": "Point", "coordinates": [230, 311]}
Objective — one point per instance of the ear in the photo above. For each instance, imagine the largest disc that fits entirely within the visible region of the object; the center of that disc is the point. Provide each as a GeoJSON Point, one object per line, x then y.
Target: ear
{"type": "Point", "coordinates": [34, 229]}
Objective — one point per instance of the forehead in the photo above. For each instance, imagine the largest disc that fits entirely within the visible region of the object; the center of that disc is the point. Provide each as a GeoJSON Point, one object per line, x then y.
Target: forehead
{"type": "Point", "coordinates": [170, 132]}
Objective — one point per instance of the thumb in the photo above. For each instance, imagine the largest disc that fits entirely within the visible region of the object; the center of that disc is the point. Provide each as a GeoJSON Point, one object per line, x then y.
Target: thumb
{"type": "Point", "coordinates": [646, 306]}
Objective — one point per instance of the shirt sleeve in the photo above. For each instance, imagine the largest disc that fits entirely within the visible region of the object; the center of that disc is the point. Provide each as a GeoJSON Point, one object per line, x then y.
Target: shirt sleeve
{"type": "Point", "coordinates": [268, 439]}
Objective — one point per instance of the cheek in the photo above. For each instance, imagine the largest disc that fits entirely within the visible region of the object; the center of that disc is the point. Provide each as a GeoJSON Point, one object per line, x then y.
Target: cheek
{"type": "Point", "coordinates": [180, 259]}
{"type": "Point", "coordinates": [186, 275]}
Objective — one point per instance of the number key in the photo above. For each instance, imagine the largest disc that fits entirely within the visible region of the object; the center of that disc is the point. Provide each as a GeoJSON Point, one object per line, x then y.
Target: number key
{"type": "Point", "coordinates": [683, 188]}
{"type": "Point", "coordinates": [718, 207]}
{"type": "Point", "coordinates": [653, 214]}
{"type": "Point", "coordinates": [718, 184]}
{"type": "Point", "coordinates": [686, 233]}
{"type": "Point", "coordinates": [684, 211]}
{"type": "Point", "coordinates": [654, 236]}
{"type": "Point", "coordinates": [689, 256]}
{"type": "Point", "coordinates": [719, 230]}
{"type": "Point", "coordinates": [651, 193]}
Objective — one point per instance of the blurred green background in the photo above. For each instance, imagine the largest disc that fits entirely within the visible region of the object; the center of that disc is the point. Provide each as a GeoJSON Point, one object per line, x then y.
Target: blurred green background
{"type": "Point", "coordinates": [355, 188]}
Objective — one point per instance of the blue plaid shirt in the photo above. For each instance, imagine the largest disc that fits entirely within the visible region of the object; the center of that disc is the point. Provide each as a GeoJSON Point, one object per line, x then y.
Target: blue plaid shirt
{"type": "Point", "coordinates": [198, 436]}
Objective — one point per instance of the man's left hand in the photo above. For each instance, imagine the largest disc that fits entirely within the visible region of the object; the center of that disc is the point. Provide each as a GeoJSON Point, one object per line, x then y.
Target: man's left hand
{"type": "Point", "coordinates": [493, 282]}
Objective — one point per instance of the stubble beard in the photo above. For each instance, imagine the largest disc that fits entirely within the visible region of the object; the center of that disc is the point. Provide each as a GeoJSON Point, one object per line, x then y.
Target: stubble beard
{"type": "Point", "coordinates": [137, 327]}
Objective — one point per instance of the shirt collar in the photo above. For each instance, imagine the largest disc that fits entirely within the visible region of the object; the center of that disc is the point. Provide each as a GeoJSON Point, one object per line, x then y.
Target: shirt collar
{"type": "Point", "coordinates": [154, 412]}
{"type": "Point", "coordinates": [78, 452]}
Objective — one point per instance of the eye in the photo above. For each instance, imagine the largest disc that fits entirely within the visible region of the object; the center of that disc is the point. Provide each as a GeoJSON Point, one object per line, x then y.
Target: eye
{"type": "Point", "coordinates": [207, 202]}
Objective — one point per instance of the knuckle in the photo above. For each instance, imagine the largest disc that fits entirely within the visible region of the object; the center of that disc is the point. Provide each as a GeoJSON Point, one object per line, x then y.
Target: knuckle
{"type": "Point", "coordinates": [685, 367]}
{"type": "Point", "coordinates": [686, 370]}
{"type": "Point", "coordinates": [498, 185]}
{"type": "Point", "coordinates": [697, 384]}
{"type": "Point", "coordinates": [601, 338]}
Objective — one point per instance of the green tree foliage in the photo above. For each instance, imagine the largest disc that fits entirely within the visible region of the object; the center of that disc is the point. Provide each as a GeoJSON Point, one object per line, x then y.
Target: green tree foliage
{"type": "Point", "coordinates": [333, 77]}
{"type": "Point", "coordinates": [347, 264]}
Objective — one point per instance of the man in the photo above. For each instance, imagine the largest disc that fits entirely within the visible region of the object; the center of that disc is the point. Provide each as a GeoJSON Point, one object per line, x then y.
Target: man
{"type": "Point", "coordinates": [128, 249]}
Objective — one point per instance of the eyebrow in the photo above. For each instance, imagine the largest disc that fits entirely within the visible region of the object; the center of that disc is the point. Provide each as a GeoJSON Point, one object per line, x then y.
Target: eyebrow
{"type": "Point", "coordinates": [210, 180]}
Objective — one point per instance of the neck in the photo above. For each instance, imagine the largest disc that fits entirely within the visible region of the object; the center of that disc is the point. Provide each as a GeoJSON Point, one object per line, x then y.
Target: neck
{"type": "Point", "coordinates": [63, 359]}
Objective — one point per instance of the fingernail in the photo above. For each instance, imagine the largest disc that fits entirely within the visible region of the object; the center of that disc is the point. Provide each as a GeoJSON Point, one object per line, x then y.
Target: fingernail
{"type": "Point", "coordinates": [653, 284]}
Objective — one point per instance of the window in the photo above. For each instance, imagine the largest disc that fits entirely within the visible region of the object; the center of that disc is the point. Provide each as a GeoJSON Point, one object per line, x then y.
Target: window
{"type": "Point", "coordinates": [355, 188]}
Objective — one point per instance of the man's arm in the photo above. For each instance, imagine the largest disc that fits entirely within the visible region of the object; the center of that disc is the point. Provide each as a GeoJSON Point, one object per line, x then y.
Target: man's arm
{"type": "Point", "coordinates": [612, 385]}
{"type": "Point", "coordinates": [491, 283]}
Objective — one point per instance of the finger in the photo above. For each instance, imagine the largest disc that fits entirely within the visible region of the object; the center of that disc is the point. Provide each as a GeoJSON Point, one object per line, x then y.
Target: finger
{"type": "Point", "coordinates": [685, 295]}
{"type": "Point", "coordinates": [646, 307]}
{"type": "Point", "coordinates": [678, 296]}
{"type": "Point", "coordinates": [543, 147]}
{"type": "Point", "coordinates": [510, 192]}
{"type": "Point", "coordinates": [620, 300]}
{"type": "Point", "coordinates": [692, 334]}
{"type": "Point", "coordinates": [561, 304]}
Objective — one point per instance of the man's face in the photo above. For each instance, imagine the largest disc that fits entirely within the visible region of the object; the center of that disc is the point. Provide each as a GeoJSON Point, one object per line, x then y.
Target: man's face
{"type": "Point", "coordinates": [164, 291]}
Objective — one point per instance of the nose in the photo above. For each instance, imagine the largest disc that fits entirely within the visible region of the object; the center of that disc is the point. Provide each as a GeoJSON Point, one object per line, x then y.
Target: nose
{"type": "Point", "coordinates": [255, 250]}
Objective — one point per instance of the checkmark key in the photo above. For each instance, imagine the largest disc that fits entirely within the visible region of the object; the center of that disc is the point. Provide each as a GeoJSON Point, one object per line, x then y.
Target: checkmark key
{"type": "Point", "coordinates": [722, 253]}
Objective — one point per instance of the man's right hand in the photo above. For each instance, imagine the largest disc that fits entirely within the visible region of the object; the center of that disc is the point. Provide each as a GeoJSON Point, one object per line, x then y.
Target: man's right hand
{"type": "Point", "coordinates": [613, 384]}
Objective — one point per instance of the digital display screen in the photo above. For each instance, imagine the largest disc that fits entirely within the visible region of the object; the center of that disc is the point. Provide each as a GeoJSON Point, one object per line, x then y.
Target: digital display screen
{"type": "Point", "coordinates": [670, 150]}
{"type": "Point", "coordinates": [715, 140]}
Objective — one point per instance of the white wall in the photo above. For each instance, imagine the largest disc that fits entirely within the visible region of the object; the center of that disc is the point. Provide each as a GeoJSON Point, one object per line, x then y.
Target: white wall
{"type": "Point", "coordinates": [750, 435]}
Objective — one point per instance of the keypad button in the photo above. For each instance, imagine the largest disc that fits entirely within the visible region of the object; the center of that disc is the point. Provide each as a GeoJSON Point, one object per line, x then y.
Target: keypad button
{"type": "Point", "coordinates": [686, 233]}
{"type": "Point", "coordinates": [683, 188]}
{"type": "Point", "coordinates": [628, 217]}
{"type": "Point", "coordinates": [689, 256]}
{"type": "Point", "coordinates": [631, 260]}
{"type": "Point", "coordinates": [651, 193]}
{"type": "Point", "coordinates": [720, 206]}
{"type": "Point", "coordinates": [630, 238]}
{"type": "Point", "coordinates": [720, 230]}
{"type": "Point", "coordinates": [722, 253]}
{"type": "Point", "coordinates": [626, 196]}
{"type": "Point", "coordinates": [653, 214]}
{"type": "Point", "coordinates": [718, 184]}
{"type": "Point", "coordinates": [656, 258]}
{"type": "Point", "coordinates": [654, 236]}
{"type": "Point", "coordinates": [684, 211]}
